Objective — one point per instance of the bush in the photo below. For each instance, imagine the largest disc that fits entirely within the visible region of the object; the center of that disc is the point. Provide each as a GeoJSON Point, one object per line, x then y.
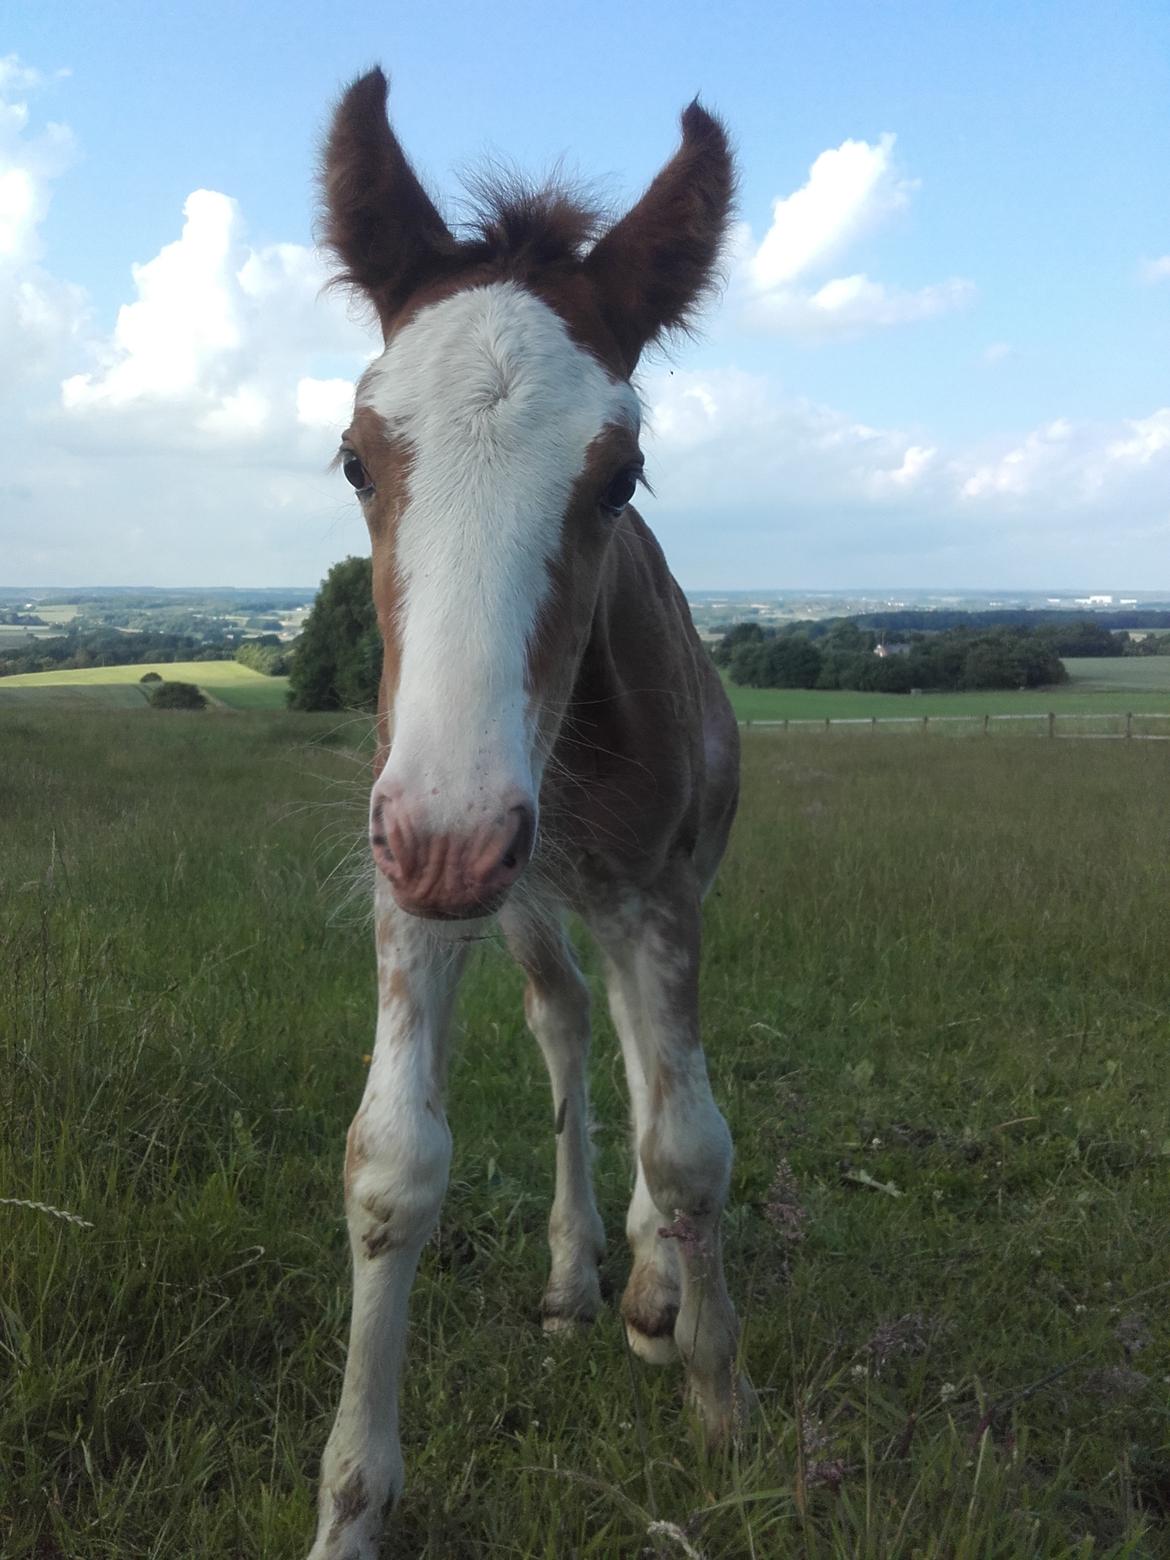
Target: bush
{"type": "Point", "coordinates": [151, 677]}
{"type": "Point", "coordinates": [177, 696]}
{"type": "Point", "coordinates": [267, 656]}
{"type": "Point", "coordinates": [338, 660]}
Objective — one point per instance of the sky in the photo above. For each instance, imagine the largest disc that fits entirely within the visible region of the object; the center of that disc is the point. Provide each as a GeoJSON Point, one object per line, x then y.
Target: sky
{"type": "Point", "coordinates": [941, 358]}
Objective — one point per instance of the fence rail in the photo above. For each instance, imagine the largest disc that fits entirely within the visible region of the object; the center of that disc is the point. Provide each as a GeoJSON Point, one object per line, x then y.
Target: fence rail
{"type": "Point", "coordinates": [1052, 723]}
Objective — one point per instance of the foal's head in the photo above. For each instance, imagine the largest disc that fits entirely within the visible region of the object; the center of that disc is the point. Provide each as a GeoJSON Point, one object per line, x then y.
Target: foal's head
{"type": "Point", "coordinates": [494, 450]}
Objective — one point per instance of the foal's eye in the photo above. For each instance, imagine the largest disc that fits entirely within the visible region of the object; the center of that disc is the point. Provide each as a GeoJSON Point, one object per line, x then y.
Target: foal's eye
{"type": "Point", "coordinates": [355, 473]}
{"type": "Point", "coordinates": [619, 492]}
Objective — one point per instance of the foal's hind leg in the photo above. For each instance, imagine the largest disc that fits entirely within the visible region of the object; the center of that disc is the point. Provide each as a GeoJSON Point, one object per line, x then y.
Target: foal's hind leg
{"type": "Point", "coordinates": [556, 1005]}
{"type": "Point", "coordinates": [676, 1289]}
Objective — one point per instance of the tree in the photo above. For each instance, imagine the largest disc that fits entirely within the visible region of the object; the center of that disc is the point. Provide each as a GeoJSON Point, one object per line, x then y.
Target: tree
{"type": "Point", "coordinates": [742, 634]}
{"type": "Point", "coordinates": [151, 677]}
{"type": "Point", "coordinates": [338, 660]}
{"type": "Point", "coordinates": [177, 696]}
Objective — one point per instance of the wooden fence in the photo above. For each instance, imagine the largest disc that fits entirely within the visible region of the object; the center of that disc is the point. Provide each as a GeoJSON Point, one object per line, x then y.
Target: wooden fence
{"type": "Point", "coordinates": [1128, 724]}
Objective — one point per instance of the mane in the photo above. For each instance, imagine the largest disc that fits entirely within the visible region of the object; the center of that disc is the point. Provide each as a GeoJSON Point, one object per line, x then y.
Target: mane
{"type": "Point", "coordinates": [519, 225]}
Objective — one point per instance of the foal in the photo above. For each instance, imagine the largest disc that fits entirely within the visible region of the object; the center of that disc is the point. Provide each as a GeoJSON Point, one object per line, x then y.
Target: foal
{"type": "Point", "coordinates": [552, 738]}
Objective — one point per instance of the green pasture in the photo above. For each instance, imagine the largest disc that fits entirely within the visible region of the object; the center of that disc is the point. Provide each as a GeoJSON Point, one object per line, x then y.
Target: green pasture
{"type": "Point", "coordinates": [935, 1004]}
{"type": "Point", "coordinates": [228, 682]}
{"type": "Point", "coordinates": [1098, 686]}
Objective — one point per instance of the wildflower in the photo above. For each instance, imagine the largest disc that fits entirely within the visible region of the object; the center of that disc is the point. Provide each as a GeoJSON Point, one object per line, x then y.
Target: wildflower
{"type": "Point", "coordinates": [784, 1208]}
{"type": "Point", "coordinates": [907, 1335]}
{"type": "Point", "coordinates": [685, 1231]}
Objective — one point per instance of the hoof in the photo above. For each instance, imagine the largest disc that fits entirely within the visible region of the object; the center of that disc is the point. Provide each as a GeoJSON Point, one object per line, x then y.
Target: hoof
{"type": "Point", "coordinates": [654, 1349]}
{"type": "Point", "coordinates": [559, 1322]}
{"type": "Point", "coordinates": [563, 1310]}
{"type": "Point", "coordinates": [726, 1412]}
{"type": "Point", "coordinates": [650, 1312]}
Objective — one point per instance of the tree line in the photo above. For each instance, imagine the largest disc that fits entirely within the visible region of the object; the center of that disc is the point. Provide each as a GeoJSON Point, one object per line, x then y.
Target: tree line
{"type": "Point", "coordinates": [840, 654]}
{"type": "Point", "coordinates": [108, 647]}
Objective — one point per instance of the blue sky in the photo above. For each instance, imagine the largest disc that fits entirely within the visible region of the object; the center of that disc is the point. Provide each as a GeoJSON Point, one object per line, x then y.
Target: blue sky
{"type": "Point", "coordinates": [942, 358]}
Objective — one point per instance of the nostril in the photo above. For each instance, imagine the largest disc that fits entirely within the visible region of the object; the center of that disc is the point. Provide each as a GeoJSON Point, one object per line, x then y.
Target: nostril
{"type": "Point", "coordinates": [519, 847]}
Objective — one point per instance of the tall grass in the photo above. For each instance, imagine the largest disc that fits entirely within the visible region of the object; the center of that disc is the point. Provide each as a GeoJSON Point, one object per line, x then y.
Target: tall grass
{"type": "Point", "coordinates": [935, 1005]}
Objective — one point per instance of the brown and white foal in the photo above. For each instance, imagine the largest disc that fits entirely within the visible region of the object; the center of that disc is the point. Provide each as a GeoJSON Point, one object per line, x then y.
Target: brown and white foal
{"type": "Point", "coordinates": [552, 738]}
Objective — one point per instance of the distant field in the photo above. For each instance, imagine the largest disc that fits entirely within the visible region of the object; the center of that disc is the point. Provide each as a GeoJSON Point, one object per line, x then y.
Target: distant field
{"type": "Point", "coordinates": [1099, 686]}
{"type": "Point", "coordinates": [239, 687]}
{"type": "Point", "coordinates": [14, 634]}
{"type": "Point", "coordinates": [1132, 673]}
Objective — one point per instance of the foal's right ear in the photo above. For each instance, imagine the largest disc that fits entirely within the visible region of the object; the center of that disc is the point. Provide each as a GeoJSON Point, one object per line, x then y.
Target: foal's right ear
{"type": "Point", "coordinates": [379, 220]}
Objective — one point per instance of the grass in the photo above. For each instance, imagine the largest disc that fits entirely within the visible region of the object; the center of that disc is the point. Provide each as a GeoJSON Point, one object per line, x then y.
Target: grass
{"type": "Point", "coordinates": [1098, 687]}
{"type": "Point", "coordinates": [228, 682]}
{"type": "Point", "coordinates": [1125, 674]}
{"type": "Point", "coordinates": [945, 980]}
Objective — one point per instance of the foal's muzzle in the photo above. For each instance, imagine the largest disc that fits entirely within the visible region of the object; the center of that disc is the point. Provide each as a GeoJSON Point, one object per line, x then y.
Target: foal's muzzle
{"type": "Point", "coordinates": [449, 876]}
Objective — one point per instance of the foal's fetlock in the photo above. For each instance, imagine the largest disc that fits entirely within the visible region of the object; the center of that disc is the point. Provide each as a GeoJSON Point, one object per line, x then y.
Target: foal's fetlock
{"type": "Point", "coordinates": [571, 1302]}
{"type": "Point", "coordinates": [355, 1499]}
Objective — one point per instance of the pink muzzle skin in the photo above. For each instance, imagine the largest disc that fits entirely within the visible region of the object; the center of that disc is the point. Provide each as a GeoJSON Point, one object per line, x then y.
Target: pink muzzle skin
{"type": "Point", "coordinates": [450, 877]}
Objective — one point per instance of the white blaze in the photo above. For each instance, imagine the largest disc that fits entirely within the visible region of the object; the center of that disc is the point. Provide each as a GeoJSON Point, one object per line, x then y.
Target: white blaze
{"type": "Point", "coordinates": [497, 405]}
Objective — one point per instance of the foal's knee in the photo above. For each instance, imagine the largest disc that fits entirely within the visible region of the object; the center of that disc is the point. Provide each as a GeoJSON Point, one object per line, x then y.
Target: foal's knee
{"type": "Point", "coordinates": [395, 1177]}
{"type": "Point", "coordinates": [686, 1156]}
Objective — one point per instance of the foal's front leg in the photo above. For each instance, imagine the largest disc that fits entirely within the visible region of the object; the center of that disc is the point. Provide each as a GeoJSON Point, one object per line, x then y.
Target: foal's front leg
{"type": "Point", "coordinates": [556, 1005]}
{"type": "Point", "coordinates": [676, 1297]}
{"type": "Point", "coordinates": [397, 1156]}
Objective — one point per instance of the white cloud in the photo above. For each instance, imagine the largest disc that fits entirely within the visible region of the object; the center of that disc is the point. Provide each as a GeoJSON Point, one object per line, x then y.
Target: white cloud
{"type": "Point", "coordinates": [39, 315]}
{"type": "Point", "coordinates": [210, 349]}
{"type": "Point", "coordinates": [191, 441]}
{"type": "Point", "coordinates": [1145, 440]}
{"type": "Point", "coordinates": [17, 77]}
{"type": "Point", "coordinates": [756, 485]}
{"type": "Point", "coordinates": [1156, 270]}
{"type": "Point", "coordinates": [850, 189]}
{"type": "Point", "coordinates": [996, 351]}
{"type": "Point", "coordinates": [186, 321]}
{"type": "Point", "coordinates": [848, 305]}
{"type": "Point", "coordinates": [324, 403]}
{"type": "Point", "coordinates": [916, 463]}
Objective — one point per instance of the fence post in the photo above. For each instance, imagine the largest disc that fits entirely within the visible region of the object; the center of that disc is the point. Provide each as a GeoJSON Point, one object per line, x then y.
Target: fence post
{"type": "Point", "coordinates": [1051, 723]}
{"type": "Point", "coordinates": [786, 723]}
{"type": "Point", "coordinates": [987, 724]}
{"type": "Point", "coordinates": [1129, 723]}
{"type": "Point", "coordinates": [748, 725]}
{"type": "Point", "coordinates": [873, 723]}
{"type": "Point", "coordinates": [826, 723]}
{"type": "Point", "coordinates": [925, 724]}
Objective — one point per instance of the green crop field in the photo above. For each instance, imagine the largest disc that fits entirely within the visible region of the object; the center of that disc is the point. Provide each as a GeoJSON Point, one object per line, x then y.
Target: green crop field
{"type": "Point", "coordinates": [935, 1002]}
{"type": "Point", "coordinates": [1098, 687]}
{"type": "Point", "coordinates": [236, 686]}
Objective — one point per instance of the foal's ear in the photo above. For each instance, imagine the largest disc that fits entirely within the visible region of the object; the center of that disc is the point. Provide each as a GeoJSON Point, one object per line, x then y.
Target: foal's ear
{"type": "Point", "coordinates": [653, 267]}
{"type": "Point", "coordinates": [379, 220]}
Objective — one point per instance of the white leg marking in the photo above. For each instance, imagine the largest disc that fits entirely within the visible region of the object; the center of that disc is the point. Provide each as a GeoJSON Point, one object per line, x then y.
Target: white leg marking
{"type": "Point", "coordinates": [684, 1148]}
{"type": "Point", "coordinates": [397, 1159]}
{"type": "Point", "coordinates": [650, 1302]}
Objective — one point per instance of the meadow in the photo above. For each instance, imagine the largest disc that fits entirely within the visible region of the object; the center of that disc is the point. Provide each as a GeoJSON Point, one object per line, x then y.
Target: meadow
{"type": "Point", "coordinates": [935, 1006]}
{"type": "Point", "coordinates": [1103, 687]}
{"type": "Point", "coordinates": [227, 683]}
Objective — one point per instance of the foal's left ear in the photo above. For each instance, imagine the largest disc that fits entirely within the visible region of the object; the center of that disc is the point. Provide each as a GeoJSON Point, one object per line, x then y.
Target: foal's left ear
{"type": "Point", "coordinates": [653, 267]}
{"type": "Point", "coordinates": [379, 220]}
